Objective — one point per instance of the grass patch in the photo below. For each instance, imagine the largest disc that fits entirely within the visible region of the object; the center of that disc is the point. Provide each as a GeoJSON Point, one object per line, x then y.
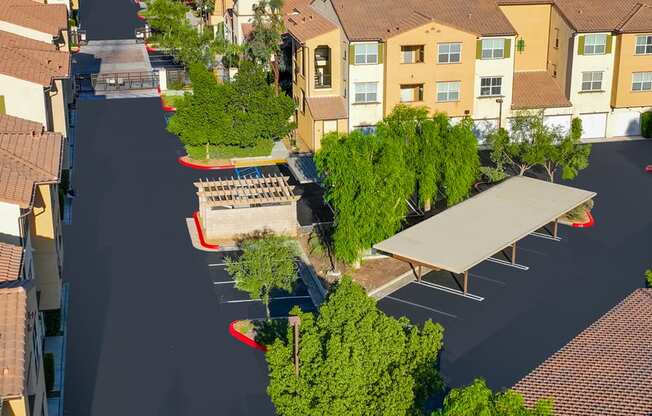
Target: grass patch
{"type": "Point", "coordinates": [263, 148]}
{"type": "Point", "coordinates": [244, 326]}
{"type": "Point", "coordinates": [172, 100]}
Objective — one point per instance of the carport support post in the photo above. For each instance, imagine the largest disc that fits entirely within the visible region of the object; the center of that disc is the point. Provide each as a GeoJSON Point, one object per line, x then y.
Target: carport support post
{"type": "Point", "coordinates": [514, 253]}
{"type": "Point", "coordinates": [419, 274]}
{"type": "Point", "coordinates": [554, 228]}
{"type": "Point", "coordinates": [466, 281]}
{"type": "Point", "coordinates": [295, 321]}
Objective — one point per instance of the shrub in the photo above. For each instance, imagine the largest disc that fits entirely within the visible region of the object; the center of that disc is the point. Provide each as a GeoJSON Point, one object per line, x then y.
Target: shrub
{"type": "Point", "coordinates": [48, 366]}
{"type": "Point", "coordinates": [648, 277]}
{"type": "Point", "coordinates": [646, 124]}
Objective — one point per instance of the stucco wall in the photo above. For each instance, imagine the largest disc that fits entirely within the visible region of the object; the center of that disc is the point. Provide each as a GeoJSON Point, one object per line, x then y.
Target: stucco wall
{"type": "Point", "coordinates": [627, 62]}
{"type": "Point", "coordinates": [430, 72]}
{"type": "Point", "coordinates": [25, 32]}
{"type": "Point", "coordinates": [591, 102]}
{"type": "Point", "coordinates": [9, 214]}
{"type": "Point", "coordinates": [365, 114]}
{"type": "Point", "coordinates": [531, 23]}
{"type": "Point", "coordinates": [230, 223]}
{"type": "Point", "coordinates": [558, 55]}
{"type": "Point", "coordinates": [59, 104]}
{"type": "Point", "coordinates": [332, 40]}
{"type": "Point", "coordinates": [23, 99]}
{"type": "Point", "coordinates": [487, 107]}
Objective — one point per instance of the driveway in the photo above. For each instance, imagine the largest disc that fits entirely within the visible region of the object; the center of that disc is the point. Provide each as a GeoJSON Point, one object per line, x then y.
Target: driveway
{"type": "Point", "coordinates": [528, 315]}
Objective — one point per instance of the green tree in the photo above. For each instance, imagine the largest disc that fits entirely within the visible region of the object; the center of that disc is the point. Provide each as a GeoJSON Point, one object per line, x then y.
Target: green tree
{"type": "Point", "coordinates": [266, 263]}
{"type": "Point", "coordinates": [648, 277]}
{"type": "Point", "coordinates": [524, 147]}
{"type": "Point", "coordinates": [566, 152]}
{"type": "Point", "coordinates": [354, 361]}
{"type": "Point", "coordinates": [370, 203]}
{"type": "Point", "coordinates": [461, 162]}
{"type": "Point", "coordinates": [165, 15]}
{"type": "Point", "coordinates": [478, 400]}
{"type": "Point", "coordinates": [264, 43]}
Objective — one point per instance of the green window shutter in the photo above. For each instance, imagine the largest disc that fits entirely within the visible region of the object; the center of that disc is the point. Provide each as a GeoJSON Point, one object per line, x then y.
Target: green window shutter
{"type": "Point", "coordinates": [478, 49]}
{"type": "Point", "coordinates": [580, 46]}
{"type": "Point", "coordinates": [351, 55]}
{"type": "Point", "coordinates": [2, 104]}
{"type": "Point", "coordinates": [609, 42]}
{"type": "Point", "coordinates": [381, 50]}
{"type": "Point", "coordinates": [508, 48]}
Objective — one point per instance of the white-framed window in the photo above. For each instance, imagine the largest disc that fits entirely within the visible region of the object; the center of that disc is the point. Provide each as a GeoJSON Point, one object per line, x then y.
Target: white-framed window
{"type": "Point", "coordinates": [493, 48]}
{"type": "Point", "coordinates": [595, 44]}
{"type": "Point", "coordinates": [366, 130]}
{"type": "Point", "coordinates": [448, 91]}
{"type": "Point", "coordinates": [592, 81]}
{"type": "Point", "coordinates": [491, 86]}
{"type": "Point", "coordinates": [642, 81]}
{"type": "Point", "coordinates": [366, 53]}
{"type": "Point", "coordinates": [411, 93]}
{"type": "Point", "coordinates": [366, 92]}
{"type": "Point", "coordinates": [644, 45]}
{"type": "Point", "coordinates": [449, 53]}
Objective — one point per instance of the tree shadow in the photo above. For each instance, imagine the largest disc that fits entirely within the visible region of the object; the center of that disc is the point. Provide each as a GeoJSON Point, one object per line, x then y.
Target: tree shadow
{"type": "Point", "coordinates": [267, 331]}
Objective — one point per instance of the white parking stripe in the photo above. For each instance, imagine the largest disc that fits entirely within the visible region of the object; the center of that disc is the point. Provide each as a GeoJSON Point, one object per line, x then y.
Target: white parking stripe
{"type": "Point", "coordinates": [508, 263]}
{"type": "Point", "coordinates": [258, 300]}
{"type": "Point", "coordinates": [420, 306]}
{"type": "Point", "coordinates": [226, 282]}
{"type": "Point", "coordinates": [449, 290]}
{"type": "Point", "coordinates": [216, 264]}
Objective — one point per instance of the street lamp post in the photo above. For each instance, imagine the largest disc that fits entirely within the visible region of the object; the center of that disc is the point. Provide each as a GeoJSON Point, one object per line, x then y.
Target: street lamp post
{"type": "Point", "coordinates": [500, 111]}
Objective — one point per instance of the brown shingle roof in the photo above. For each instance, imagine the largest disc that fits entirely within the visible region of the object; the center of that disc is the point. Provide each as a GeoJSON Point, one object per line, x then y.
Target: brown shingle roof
{"type": "Point", "coordinates": [606, 370]}
{"type": "Point", "coordinates": [382, 19]}
{"type": "Point", "coordinates": [47, 18]}
{"type": "Point", "coordinates": [25, 160]}
{"type": "Point", "coordinates": [304, 22]}
{"type": "Point", "coordinates": [31, 60]}
{"type": "Point", "coordinates": [11, 258]}
{"type": "Point", "coordinates": [327, 108]}
{"type": "Point", "coordinates": [13, 334]}
{"type": "Point", "coordinates": [11, 124]}
{"type": "Point", "coordinates": [537, 90]}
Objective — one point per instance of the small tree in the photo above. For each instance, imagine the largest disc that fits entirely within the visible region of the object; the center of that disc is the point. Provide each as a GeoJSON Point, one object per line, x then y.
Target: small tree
{"type": "Point", "coordinates": [264, 43]}
{"type": "Point", "coordinates": [566, 153]}
{"type": "Point", "coordinates": [524, 148]}
{"type": "Point", "coordinates": [266, 263]}
{"type": "Point", "coordinates": [648, 277]}
{"type": "Point", "coordinates": [354, 360]}
{"type": "Point", "coordinates": [478, 399]}
{"type": "Point", "coordinates": [460, 160]}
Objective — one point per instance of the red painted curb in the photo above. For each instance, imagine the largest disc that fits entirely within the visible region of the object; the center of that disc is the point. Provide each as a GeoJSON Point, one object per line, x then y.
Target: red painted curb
{"type": "Point", "coordinates": [588, 224]}
{"type": "Point", "coordinates": [187, 164]}
{"type": "Point", "coordinates": [648, 168]}
{"type": "Point", "coordinates": [141, 17]}
{"type": "Point", "coordinates": [167, 108]}
{"type": "Point", "coordinates": [244, 339]}
{"type": "Point", "coordinates": [200, 233]}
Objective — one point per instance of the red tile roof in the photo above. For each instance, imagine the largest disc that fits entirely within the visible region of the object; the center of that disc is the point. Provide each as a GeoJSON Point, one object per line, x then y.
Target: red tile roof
{"type": "Point", "coordinates": [27, 159]}
{"type": "Point", "coordinates": [46, 18]}
{"type": "Point", "coordinates": [606, 370]}
{"type": "Point", "coordinates": [327, 108]}
{"type": "Point", "coordinates": [11, 260]}
{"type": "Point", "coordinates": [304, 22]}
{"type": "Point", "coordinates": [537, 89]}
{"type": "Point", "coordinates": [10, 124]}
{"type": "Point", "coordinates": [13, 341]}
{"type": "Point", "coordinates": [31, 60]}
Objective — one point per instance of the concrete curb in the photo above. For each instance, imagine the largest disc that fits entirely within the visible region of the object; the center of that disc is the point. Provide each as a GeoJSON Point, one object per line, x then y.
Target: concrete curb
{"type": "Point", "coordinates": [392, 286]}
{"type": "Point", "coordinates": [245, 339]}
{"type": "Point", "coordinates": [200, 234]}
{"type": "Point", "coordinates": [588, 224]}
{"type": "Point", "coordinates": [315, 289]}
{"type": "Point", "coordinates": [187, 164]}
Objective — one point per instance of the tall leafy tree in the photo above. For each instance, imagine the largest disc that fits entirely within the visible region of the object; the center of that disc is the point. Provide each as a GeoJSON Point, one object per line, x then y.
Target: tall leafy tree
{"type": "Point", "coordinates": [264, 43]}
{"type": "Point", "coordinates": [523, 148]}
{"type": "Point", "coordinates": [478, 399]}
{"type": "Point", "coordinates": [461, 161]}
{"type": "Point", "coordinates": [266, 263]}
{"type": "Point", "coordinates": [566, 152]}
{"type": "Point", "coordinates": [355, 361]}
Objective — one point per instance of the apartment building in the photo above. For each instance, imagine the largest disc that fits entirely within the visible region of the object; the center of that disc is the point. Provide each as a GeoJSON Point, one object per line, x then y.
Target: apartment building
{"type": "Point", "coordinates": [22, 381]}
{"type": "Point", "coordinates": [486, 59]}
{"type": "Point", "coordinates": [42, 21]}
{"type": "Point", "coordinates": [30, 217]}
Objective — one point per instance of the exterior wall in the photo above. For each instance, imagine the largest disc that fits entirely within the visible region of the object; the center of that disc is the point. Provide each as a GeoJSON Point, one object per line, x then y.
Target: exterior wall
{"type": "Point", "coordinates": [15, 407]}
{"type": "Point", "coordinates": [45, 227]}
{"type": "Point", "coordinates": [319, 131]}
{"type": "Point", "coordinates": [23, 99]}
{"type": "Point", "coordinates": [333, 41]}
{"type": "Point", "coordinates": [528, 20]}
{"type": "Point", "coordinates": [35, 375]}
{"type": "Point", "coordinates": [430, 72]}
{"type": "Point", "coordinates": [367, 114]}
{"type": "Point", "coordinates": [487, 107]}
{"type": "Point", "coordinates": [231, 223]}
{"type": "Point", "coordinates": [9, 214]}
{"type": "Point", "coordinates": [59, 105]}
{"type": "Point", "coordinates": [560, 55]}
{"type": "Point", "coordinates": [627, 62]}
{"type": "Point", "coordinates": [591, 102]}
{"type": "Point", "coordinates": [25, 32]}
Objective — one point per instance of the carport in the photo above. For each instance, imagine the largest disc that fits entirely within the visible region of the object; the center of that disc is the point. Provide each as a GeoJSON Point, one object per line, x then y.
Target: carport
{"type": "Point", "coordinates": [474, 230]}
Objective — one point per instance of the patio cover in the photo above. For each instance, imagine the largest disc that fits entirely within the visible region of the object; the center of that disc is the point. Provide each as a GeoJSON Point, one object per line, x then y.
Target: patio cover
{"type": "Point", "coordinates": [472, 231]}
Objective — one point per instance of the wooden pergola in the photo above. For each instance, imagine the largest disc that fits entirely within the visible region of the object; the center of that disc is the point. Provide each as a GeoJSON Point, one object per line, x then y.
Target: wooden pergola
{"type": "Point", "coordinates": [238, 192]}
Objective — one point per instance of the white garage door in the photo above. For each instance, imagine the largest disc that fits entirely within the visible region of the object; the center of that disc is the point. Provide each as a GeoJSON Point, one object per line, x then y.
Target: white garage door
{"type": "Point", "coordinates": [594, 125]}
{"type": "Point", "coordinates": [562, 122]}
{"type": "Point", "coordinates": [482, 128]}
{"type": "Point", "coordinates": [626, 123]}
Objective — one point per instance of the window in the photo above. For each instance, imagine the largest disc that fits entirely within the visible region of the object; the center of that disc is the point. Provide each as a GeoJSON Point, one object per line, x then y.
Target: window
{"type": "Point", "coordinates": [595, 44]}
{"type": "Point", "coordinates": [644, 45]}
{"type": "Point", "coordinates": [366, 130]}
{"type": "Point", "coordinates": [493, 48]}
{"type": "Point", "coordinates": [491, 86]}
{"type": "Point", "coordinates": [448, 91]}
{"type": "Point", "coordinates": [449, 53]}
{"type": "Point", "coordinates": [642, 81]}
{"type": "Point", "coordinates": [366, 92]}
{"type": "Point", "coordinates": [520, 45]}
{"type": "Point", "coordinates": [556, 38]}
{"type": "Point", "coordinates": [592, 81]}
{"type": "Point", "coordinates": [366, 53]}
{"type": "Point", "coordinates": [330, 126]}
{"type": "Point", "coordinates": [412, 54]}
{"type": "Point", "coordinates": [322, 67]}
{"type": "Point", "coordinates": [411, 93]}
{"type": "Point", "coordinates": [554, 70]}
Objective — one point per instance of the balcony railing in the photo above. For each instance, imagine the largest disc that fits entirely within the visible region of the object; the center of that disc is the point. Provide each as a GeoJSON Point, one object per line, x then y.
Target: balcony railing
{"type": "Point", "coordinates": [322, 80]}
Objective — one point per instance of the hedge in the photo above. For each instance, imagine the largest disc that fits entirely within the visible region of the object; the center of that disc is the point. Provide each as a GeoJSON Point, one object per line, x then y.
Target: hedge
{"type": "Point", "coordinates": [646, 124]}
